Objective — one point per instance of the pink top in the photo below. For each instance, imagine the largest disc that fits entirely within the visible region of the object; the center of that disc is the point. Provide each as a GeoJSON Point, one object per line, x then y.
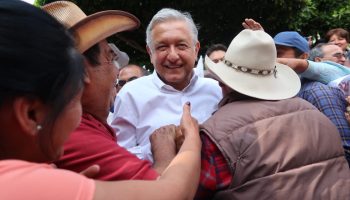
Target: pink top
{"type": "Point", "coordinates": [25, 180]}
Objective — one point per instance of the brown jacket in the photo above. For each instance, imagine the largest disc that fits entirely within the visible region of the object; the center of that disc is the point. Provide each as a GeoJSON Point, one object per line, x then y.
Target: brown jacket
{"type": "Point", "coordinates": [279, 150]}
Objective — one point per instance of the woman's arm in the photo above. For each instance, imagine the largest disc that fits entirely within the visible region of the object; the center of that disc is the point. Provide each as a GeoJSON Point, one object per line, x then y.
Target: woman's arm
{"type": "Point", "coordinates": [178, 181]}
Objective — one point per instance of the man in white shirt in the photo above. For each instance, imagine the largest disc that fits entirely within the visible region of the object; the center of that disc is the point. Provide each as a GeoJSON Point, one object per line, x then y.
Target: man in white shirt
{"type": "Point", "coordinates": [152, 101]}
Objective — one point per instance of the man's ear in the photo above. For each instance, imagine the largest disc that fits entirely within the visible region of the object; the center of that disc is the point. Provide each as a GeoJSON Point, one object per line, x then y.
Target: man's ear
{"type": "Point", "coordinates": [149, 51]}
{"type": "Point", "coordinates": [30, 114]}
{"type": "Point", "coordinates": [87, 79]}
{"type": "Point", "coordinates": [196, 48]}
{"type": "Point", "coordinates": [304, 56]}
{"type": "Point", "coordinates": [318, 59]}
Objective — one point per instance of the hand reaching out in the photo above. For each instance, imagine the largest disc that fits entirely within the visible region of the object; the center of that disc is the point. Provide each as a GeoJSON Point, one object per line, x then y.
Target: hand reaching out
{"type": "Point", "coordinates": [91, 171]}
{"type": "Point", "coordinates": [188, 127]}
{"type": "Point", "coordinates": [252, 24]}
{"type": "Point", "coordinates": [188, 124]}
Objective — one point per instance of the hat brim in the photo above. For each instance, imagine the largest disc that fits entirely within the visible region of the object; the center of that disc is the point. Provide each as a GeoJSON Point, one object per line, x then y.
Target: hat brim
{"type": "Point", "coordinates": [101, 25]}
{"type": "Point", "coordinates": [283, 44]}
{"type": "Point", "coordinates": [285, 85]}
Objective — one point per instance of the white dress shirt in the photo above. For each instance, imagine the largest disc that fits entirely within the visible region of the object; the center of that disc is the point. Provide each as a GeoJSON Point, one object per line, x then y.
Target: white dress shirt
{"type": "Point", "coordinates": [147, 103]}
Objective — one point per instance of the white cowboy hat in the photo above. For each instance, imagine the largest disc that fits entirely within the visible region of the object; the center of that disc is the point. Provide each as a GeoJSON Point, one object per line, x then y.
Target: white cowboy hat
{"type": "Point", "coordinates": [89, 30]}
{"type": "Point", "coordinates": [250, 68]}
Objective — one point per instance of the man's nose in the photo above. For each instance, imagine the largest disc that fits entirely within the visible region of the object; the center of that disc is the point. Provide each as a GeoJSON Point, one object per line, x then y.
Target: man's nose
{"type": "Point", "coordinates": [173, 54]}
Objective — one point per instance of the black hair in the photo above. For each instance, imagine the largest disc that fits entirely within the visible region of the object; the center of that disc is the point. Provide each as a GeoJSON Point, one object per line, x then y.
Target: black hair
{"type": "Point", "coordinates": [37, 59]}
{"type": "Point", "coordinates": [297, 52]}
{"type": "Point", "coordinates": [340, 32]}
{"type": "Point", "coordinates": [92, 55]}
{"type": "Point", "coordinates": [215, 47]}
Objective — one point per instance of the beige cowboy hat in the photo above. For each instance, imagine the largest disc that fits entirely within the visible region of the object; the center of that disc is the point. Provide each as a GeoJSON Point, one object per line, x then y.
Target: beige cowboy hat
{"type": "Point", "coordinates": [250, 68]}
{"type": "Point", "coordinates": [89, 30]}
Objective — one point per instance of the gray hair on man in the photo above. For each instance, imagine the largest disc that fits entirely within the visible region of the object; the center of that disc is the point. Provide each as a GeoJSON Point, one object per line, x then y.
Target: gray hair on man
{"type": "Point", "coordinates": [168, 14]}
{"type": "Point", "coordinates": [317, 51]}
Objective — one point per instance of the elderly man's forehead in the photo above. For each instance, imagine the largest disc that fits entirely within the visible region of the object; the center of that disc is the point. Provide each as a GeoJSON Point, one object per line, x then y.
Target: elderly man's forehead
{"type": "Point", "coordinates": [332, 47]}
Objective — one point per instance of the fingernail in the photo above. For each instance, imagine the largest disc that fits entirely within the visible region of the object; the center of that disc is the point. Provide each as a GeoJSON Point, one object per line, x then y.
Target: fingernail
{"type": "Point", "coordinates": [188, 103]}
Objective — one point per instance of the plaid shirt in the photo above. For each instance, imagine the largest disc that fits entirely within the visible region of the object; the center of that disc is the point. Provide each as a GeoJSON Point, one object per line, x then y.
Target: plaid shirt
{"type": "Point", "coordinates": [331, 102]}
{"type": "Point", "coordinates": [215, 173]}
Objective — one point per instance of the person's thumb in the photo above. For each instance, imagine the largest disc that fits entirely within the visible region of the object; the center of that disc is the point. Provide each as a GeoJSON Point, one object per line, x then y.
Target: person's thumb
{"type": "Point", "coordinates": [91, 171]}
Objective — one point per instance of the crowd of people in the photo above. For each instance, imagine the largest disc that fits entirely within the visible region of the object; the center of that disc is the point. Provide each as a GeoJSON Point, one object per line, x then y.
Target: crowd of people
{"type": "Point", "coordinates": [79, 122]}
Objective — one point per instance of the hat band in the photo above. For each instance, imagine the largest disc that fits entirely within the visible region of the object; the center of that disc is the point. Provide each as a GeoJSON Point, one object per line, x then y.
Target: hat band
{"type": "Point", "coordinates": [251, 71]}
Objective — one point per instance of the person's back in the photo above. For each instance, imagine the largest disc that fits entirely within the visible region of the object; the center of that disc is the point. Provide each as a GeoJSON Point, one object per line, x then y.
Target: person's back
{"type": "Point", "coordinates": [282, 150]}
{"type": "Point", "coordinates": [277, 146]}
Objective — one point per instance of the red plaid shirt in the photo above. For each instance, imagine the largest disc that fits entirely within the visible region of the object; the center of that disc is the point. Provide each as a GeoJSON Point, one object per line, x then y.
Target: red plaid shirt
{"type": "Point", "coordinates": [215, 173]}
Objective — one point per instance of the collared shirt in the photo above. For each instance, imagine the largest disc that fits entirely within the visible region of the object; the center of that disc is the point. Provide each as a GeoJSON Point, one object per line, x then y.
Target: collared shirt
{"type": "Point", "coordinates": [147, 103]}
{"type": "Point", "coordinates": [331, 102]}
{"type": "Point", "coordinates": [324, 72]}
{"type": "Point", "coordinates": [94, 142]}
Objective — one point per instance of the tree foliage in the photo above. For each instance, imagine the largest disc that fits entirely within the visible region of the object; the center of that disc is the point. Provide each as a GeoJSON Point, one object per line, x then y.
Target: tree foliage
{"type": "Point", "coordinates": [221, 20]}
{"type": "Point", "coordinates": [318, 16]}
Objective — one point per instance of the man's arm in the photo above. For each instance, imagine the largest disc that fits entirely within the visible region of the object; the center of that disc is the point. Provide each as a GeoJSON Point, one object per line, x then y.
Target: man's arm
{"type": "Point", "coordinates": [298, 65]}
{"type": "Point", "coordinates": [163, 147]}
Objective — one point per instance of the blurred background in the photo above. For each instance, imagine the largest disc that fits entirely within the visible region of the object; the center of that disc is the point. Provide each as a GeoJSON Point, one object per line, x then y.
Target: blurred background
{"type": "Point", "coordinates": [219, 21]}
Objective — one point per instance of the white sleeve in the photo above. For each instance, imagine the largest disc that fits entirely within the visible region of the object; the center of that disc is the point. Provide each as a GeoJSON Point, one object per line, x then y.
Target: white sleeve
{"type": "Point", "coordinates": [124, 123]}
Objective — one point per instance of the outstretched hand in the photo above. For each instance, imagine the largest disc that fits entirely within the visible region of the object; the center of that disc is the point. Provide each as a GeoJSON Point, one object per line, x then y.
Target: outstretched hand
{"type": "Point", "coordinates": [188, 126]}
{"type": "Point", "coordinates": [252, 24]}
{"type": "Point", "coordinates": [91, 171]}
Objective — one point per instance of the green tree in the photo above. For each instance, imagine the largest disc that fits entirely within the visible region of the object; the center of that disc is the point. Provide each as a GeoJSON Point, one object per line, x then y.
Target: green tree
{"type": "Point", "coordinates": [221, 20]}
{"type": "Point", "coordinates": [318, 16]}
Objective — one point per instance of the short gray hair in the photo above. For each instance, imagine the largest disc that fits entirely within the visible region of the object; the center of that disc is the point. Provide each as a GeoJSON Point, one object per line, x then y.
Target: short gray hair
{"type": "Point", "coordinates": [167, 14]}
{"type": "Point", "coordinates": [317, 51]}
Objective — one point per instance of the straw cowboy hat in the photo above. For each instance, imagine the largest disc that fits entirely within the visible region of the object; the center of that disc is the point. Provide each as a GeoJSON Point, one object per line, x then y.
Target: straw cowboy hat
{"type": "Point", "coordinates": [250, 68]}
{"type": "Point", "coordinates": [89, 30]}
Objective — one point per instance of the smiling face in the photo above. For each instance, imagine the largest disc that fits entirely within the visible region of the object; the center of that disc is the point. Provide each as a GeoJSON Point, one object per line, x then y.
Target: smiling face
{"type": "Point", "coordinates": [173, 52]}
{"type": "Point", "coordinates": [333, 53]}
{"type": "Point", "coordinates": [340, 41]}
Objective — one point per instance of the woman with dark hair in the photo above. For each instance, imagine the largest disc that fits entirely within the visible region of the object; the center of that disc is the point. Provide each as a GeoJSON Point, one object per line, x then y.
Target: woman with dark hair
{"type": "Point", "coordinates": [338, 36]}
{"type": "Point", "coordinates": [41, 81]}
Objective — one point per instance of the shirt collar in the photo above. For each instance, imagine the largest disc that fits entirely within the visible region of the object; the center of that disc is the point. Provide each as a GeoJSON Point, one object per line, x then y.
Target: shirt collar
{"type": "Point", "coordinates": [161, 85]}
{"type": "Point", "coordinates": [92, 121]}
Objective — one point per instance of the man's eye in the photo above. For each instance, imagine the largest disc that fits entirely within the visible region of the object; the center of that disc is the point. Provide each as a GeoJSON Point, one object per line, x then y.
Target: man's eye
{"type": "Point", "coordinates": [182, 46]}
{"type": "Point", "coordinates": [161, 48]}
